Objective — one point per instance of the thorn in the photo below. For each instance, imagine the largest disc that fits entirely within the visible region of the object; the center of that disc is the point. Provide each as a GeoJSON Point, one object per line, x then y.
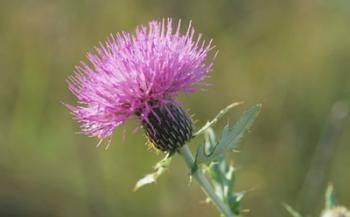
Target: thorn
{"type": "Point", "coordinates": [99, 143]}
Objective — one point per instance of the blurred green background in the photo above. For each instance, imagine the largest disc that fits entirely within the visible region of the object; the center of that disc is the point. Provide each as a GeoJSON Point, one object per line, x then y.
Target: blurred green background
{"type": "Point", "coordinates": [292, 56]}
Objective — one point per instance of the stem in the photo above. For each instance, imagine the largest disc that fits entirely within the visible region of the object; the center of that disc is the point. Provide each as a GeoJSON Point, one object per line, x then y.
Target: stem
{"type": "Point", "coordinates": [202, 180]}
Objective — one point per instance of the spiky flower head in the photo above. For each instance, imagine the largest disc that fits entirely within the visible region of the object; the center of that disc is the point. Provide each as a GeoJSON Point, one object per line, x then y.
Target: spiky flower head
{"type": "Point", "coordinates": [140, 75]}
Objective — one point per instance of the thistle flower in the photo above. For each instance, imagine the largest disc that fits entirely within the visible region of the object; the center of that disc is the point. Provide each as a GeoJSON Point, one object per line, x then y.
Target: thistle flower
{"type": "Point", "coordinates": [139, 75]}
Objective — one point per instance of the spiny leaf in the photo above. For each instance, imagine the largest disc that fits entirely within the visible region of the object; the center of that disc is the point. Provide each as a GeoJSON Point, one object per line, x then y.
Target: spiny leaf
{"type": "Point", "coordinates": [159, 168]}
{"type": "Point", "coordinates": [217, 117]}
{"type": "Point", "coordinates": [292, 211]}
{"type": "Point", "coordinates": [222, 177]}
{"type": "Point", "coordinates": [223, 180]}
{"type": "Point", "coordinates": [230, 137]}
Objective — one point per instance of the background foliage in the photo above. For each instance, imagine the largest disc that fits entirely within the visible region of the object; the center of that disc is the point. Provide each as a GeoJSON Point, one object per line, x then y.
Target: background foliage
{"type": "Point", "coordinates": [292, 56]}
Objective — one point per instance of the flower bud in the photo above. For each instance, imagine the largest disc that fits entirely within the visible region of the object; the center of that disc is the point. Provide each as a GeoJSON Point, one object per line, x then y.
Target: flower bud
{"type": "Point", "coordinates": [168, 127]}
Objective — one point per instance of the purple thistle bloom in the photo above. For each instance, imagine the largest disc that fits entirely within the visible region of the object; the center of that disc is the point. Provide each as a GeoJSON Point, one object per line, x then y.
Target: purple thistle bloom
{"type": "Point", "coordinates": [140, 75]}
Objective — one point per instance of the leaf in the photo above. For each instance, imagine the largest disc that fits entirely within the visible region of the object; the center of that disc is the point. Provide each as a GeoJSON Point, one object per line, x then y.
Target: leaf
{"type": "Point", "coordinates": [292, 211]}
{"type": "Point", "coordinates": [217, 117]}
{"type": "Point", "coordinates": [159, 168]}
{"type": "Point", "coordinates": [211, 153]}
{"type": "Point", "coordinates": [230, 137]}
{"type": "Point", "coordinates": [222, 177]}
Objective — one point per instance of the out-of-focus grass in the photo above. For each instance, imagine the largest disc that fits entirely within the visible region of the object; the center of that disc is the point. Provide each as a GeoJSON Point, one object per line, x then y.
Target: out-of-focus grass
{"type": "Point", "coordinates": [292, 56]}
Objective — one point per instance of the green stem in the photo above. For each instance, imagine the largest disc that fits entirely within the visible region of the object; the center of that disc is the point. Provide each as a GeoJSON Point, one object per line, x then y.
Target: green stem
{"type": "Point", "coordinates": [202, 180]}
